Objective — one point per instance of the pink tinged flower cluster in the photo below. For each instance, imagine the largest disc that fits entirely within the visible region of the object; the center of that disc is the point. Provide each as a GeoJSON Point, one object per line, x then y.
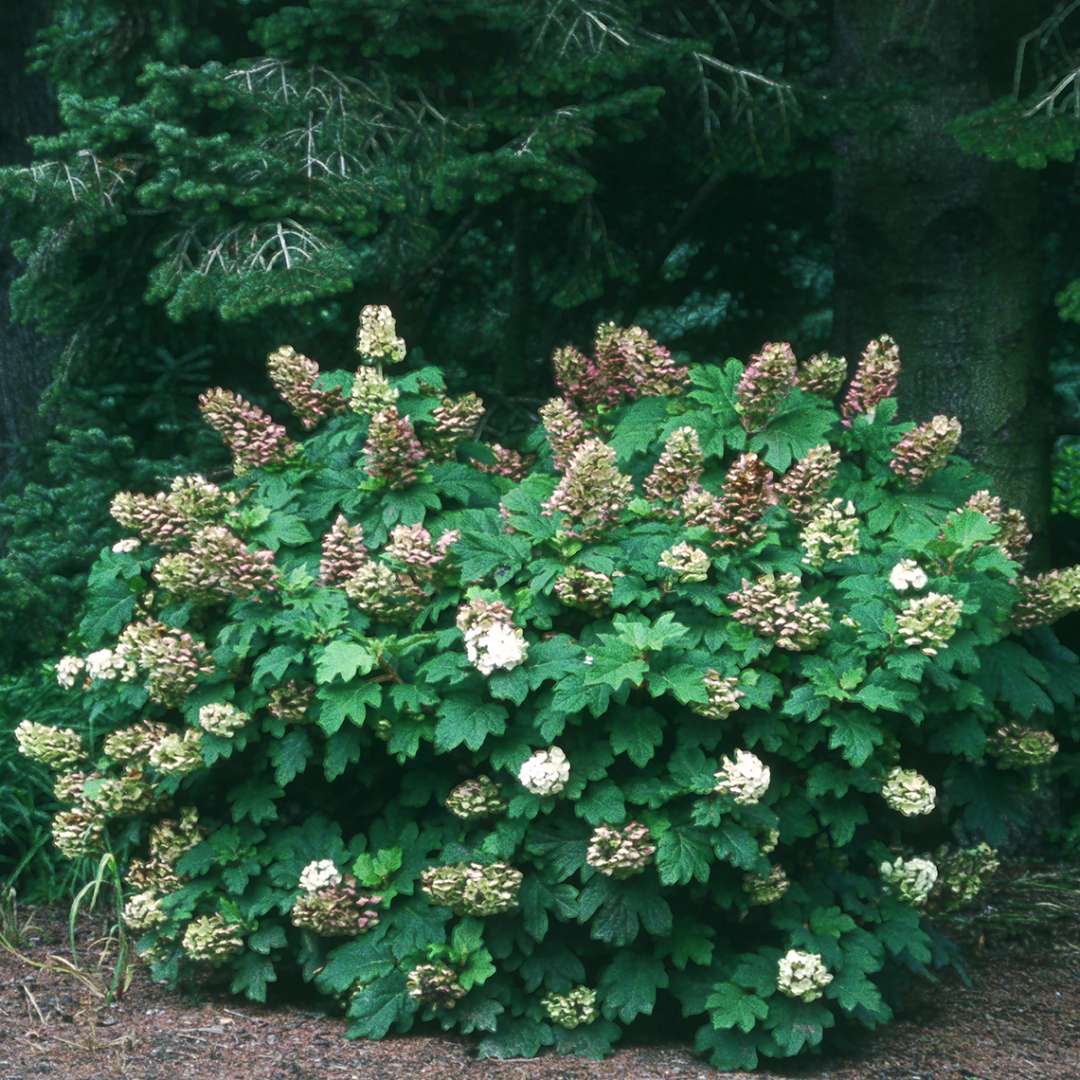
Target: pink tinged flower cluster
{"type": "Point", "coordinates": [293, 376]}
{"type": "Point", "coordinates": [392, 452]}
{"type": "Point", "coordinates": [1048, 597]}
{"type": "Point", "coordinates": [171, 659]}
{"type": "Point", "coordinates": [874, 380]}
{"type": "Point", "coordinates": [343, 552]}
{"type": "Point", "coordinates": [803, 488]}
{"type": "Point", "coordinates": [379, 591]}
{"type": "Point", "coordinates": [925, 449]}
{"type": "Point", "coordinates": [249, 433]}
{"type": "Point", "coordinates": [412, 546]}
{"type": "Point", "coordinates": [1014, 534]}
{"type": "Point", "coordinates": [678, 469]}
{"type": "Point", "coordinates": [168, 518]}
{"type": "Point", "coordinates": [772, 608]}
{"type": "Point", "coordinates": [627, 364]}
{"type": "Point", "coordinates": [723, 696]}
{"type": "Point", "coordinates": [509, 463]}
{"type": "Point", "coordinates": [455, 422]}
{"type": "Point", "coordinates": [333, 907]}
{"type": "Point", "coordinates": [592, 494]}
{"type": "Point", "coordinates": [823, 374]}
{"type": "Point", "coordinates": [289, 702]}
{"type": "Point", "coordinates": [620, 853]}
{"type": "Point", "coordinates": [564, 428]}
{"type": "Point", "coordinates": [735, 517]}
{"type": "Point", "coordinates": [218, 565]}
{"type": "Point", "coordinates": [587, 590]}
{"type": "Point", "coordinates": [765, 384]}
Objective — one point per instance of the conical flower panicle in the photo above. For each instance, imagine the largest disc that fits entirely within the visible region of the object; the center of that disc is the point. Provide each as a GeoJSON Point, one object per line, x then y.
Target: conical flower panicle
{"type": "Point", "coordinates": [928, 622]}
{"type": "Point", "coordinates": [564, 428]}
{"type": "Point", "coordinates": [411, 546]}
{"type": "Point", "coordinates": [392, 452]}
{"type": "Point", "coordinates": [593, 494]}
{"type": "Point", "coordinates": [832, 533]}
{"type": "Point", "coordinates": [293, 376]}
{"type": "Point", "coordinates": [371, 392]}
{"type": "Point", "coordinates": [765, 384]}
{"type": "Point", "coordinates": [168, 518]}
{"type": "Point", "coordinates": [627, 364]}
{"type": "Point", "coordinates": [802, 489]}
{"type": "Point", "coordinates": [620, 853]}
{"type": "Point", "coordinates": [343, 552]}
{"type": "Point", "coordinates": [290, 701]}
{"type": "Point", "coordinates": [630, 359]}
{"type": "Point", "coordinates": [172, 660]}
{"type": "Point", "coordinates": [874, 380]}
{"type": "Point", "coordinates": [1014, 534]}
{"type": "Point", "coordinates": [218, 565]}
{"type": "Point", "coordinates": [735, 517]}
{"type": "Point", "coordinates": [377, 339]}
{"type": "Point", "coordinates": [587, 590]}
{"type": "Point", "coordinates": [455, 421]}
{"type": "Point", "coordinates": [771, 607]}
{"type": "Point", "coordinates": [723, 696]}
{"type": "Point", "coordinates": [254, 439]}
{"type": "Point", "coordinates": [1046, 598]}
{"type": "Point", "coordinates": [679, 468]}
{"type": "Point", "coordinates": [823, 374]}
{"type": "Point", "coordinates": [925, 449]}
{"type": "Point", "coordinates": [511, 464]}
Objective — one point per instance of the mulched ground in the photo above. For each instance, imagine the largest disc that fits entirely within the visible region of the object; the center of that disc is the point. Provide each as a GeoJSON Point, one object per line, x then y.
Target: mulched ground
{"type": "Point", "coordinates": [1020, 1020]}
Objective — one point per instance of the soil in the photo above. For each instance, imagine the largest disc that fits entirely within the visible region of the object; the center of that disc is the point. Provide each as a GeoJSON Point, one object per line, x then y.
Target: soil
{"type": "Point", "coordinates": [1018, 1020]}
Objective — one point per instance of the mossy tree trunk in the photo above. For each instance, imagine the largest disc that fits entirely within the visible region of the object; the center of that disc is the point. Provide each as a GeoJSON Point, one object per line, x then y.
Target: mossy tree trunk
{"type": "Point", "coordinates": [937, 247]}
{"type": "Point", "coordinates": [26, 108]}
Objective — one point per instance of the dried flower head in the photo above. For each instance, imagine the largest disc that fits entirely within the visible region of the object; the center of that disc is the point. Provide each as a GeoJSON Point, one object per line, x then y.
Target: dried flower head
{"type": "Point", "coordinates": [293, 376]}
{"type": "Point", "coordinates": [252, 436]}
{"type": "Point", "coordinates": [925, 449]}
{"type": "Point", "coordinates": [686, 563]}
{"type": "Point", "coordinates": [474, 799]}
{"type": "Point", "coordinates": [571, 1010]}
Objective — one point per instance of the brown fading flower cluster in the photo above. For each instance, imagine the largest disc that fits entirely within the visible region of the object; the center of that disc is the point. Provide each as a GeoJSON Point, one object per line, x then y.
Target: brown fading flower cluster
{"type": "Point", "coordinates": [874, 380]}
{"type": "Point", "coordinates": [392, 452]}
{"type": "Point", "coordinates": [293, 376]}
{"type": "Point", "coordinates": [592, 493]}
{"type": "Point", "coordinates": [772, 608]}
{"type": "Point", "coordinates": [252, 436]}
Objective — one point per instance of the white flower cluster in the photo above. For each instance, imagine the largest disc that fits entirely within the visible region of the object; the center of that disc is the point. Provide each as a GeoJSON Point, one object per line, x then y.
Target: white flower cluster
{"type": "Point", "coordinates": [907, 574]}
{"type": "Point", "coordinates": [320, 874]}
{"type": "Point", "coordinates": [68, 670]}
{"type": "Point", "coordinates": [501, 646]}
{"type": "Point", "coordinates": [910, 879]}
{"type": "Point", "coordinates": [802, 975]}
{"type": "Point", "coordinates": [546, 772]}
{"type": "Point", "coordinates": [831, 534]}
{"type": "Point", "coordinates": [110, 664]}
{"type": "Point", "coordinates": [744, 778]}
{"type": "Point", "coordinates": [686, 563]}
{"type": "Point", "coordinates": [908, 792]}
{"type": "Point", "coordinates": [376, 337]}
{"type": "Point", "coordinates": [128, 544]}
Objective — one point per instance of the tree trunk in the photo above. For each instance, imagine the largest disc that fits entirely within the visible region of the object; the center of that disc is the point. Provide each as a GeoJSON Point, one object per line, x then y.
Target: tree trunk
{"type": "Point", "coordinates": [26, 108]}
{"type": "Point", "coordinates": [937, 247]}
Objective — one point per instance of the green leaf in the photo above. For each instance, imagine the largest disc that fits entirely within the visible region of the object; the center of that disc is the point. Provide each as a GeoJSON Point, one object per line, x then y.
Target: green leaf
{"type": "Point", "coordinates": [734, 844]}
{"type": "Point", "coordinates": [464, 720]}
{"type": "Point", "coordinates": [340, 703]}
{"type": "Point", "coordinates": [727, 1050]}
{"type": "Point", "coordinates": [967, 528]}
{"type": "Point", "coordinates": [283, 529]}
{"type": "Point", "coordinates": [683, 855]}
{"type": "Point", "coordinates": [376, 1007]}
{"type": "Point", "coordinates": [802, 423]}
{"type": "Point", "coordinates": [518, 1038]}
{"type": "Point", "coordinates": [290, 755]}
{"type": "Point", "coordinates": [628, 986]}
{"type": "Point", "coordinates": [251, 974]}
{"type": "Point", "coordinates": [637, 733]}
{"type": "Point", "coordinates": [274, 663]}
{"type": "Point", "coordinates": [730, 1006]}
{"type": "Point", "coordinates": [639, 427]}
{"type": "Point", "coordinates": [343, 659]}
{"type": "Point", "coordinates": [255, 800]}
{"type": "Point", "coordinates": [855, 734]}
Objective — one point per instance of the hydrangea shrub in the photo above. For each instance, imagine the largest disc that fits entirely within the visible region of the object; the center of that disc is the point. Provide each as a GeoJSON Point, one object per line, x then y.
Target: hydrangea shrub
{"type": "Point", "coordinates": [707, 701]}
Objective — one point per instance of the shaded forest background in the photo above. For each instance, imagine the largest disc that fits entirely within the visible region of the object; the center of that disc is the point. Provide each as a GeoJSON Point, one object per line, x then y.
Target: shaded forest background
{"type": "Point", "coordinates": [185, 187]}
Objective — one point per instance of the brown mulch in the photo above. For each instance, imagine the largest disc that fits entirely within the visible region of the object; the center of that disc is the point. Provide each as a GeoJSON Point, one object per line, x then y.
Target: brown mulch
{"type": "Point", "coordinates": [1020, 1020]}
